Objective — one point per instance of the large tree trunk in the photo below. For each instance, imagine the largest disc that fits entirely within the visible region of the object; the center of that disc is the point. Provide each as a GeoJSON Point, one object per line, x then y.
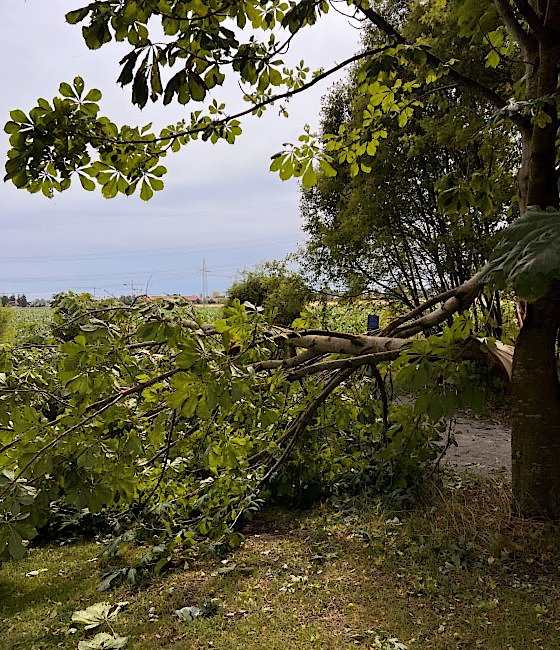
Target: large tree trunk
{"type": "Point", "coordinates": [535, 383]}
{"type": "Point", "coordinates": [535, 441]}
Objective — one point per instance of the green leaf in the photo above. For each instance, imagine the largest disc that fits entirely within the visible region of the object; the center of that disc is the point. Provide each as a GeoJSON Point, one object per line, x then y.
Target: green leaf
{"type": "Point", "coordinates": [19, 116]}
{"type": "Point", "coordinates": [4, 536]}
{"type": "Point", "coordinates": [309, 178]}
{"type": "Point", "coordinates": [110, 189]}
{"type": "Point", "coordinates": [327, 168]}
{"type": "Point", "coordinates": [79, 86]}
{"type": "Point", "coordinates": [86, 182]}
{"type": "Point", "coordinates": [155, 79]}
{"type": "Point", "coordinates": [66, 90]}
{"type": "Point", "coordinates": [94, 95]}
{"type": "Point", "coordinates": [527, 258]}
{"type": "Point", "coordinates": [155, 183]}
{"type": "Point", "coordinates": [197, 87]}
{"type": "Point", "coordinates": [128, 63]}
{"type": "Point", "coordinates": [16, 547]}
{"type": "Point", "coordinates": [140, 89]}
{"type": "Point", "coordinates": [73, 17]}
{"type": "Point", "coordinates": [11, 127]}
{"type": "Point", "coordinates": [146, 192]}
{"type": "Point", "coordinates": [275, 77]}
{"type": "Point", "coordinates": [287, 170]}
{"type": "Point", "coordinates": [492, 59]}
{"type": "Point", "coordinates": [276, 163]}
{"type": "Point", "coordinates": [160, 170]}
{"type": "Point", "coordinates": [96, 34]}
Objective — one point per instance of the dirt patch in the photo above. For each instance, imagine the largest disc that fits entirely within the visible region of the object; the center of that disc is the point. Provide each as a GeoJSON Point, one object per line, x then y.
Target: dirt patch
{"type": "Point", "coordinates": [482, 445]}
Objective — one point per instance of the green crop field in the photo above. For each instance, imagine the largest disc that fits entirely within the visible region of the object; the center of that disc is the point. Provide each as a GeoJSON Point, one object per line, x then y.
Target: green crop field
{"type": "Point", "coordinates": [23, 317]}
{"type": "Point", "coordinates": [17, 320]}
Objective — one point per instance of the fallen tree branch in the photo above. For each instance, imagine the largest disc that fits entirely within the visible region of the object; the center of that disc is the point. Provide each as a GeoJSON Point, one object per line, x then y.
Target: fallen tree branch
{"type": "Point", "coordinates": [397, 322]}
{"type": "Point", "coordinates": [462, 299]}
{"type": "Point", "coordinates": [349, 363]}
{"type": "Point", "coordinates": [353, 344]}
{"type": "Point", "coordinates": [290, 362]}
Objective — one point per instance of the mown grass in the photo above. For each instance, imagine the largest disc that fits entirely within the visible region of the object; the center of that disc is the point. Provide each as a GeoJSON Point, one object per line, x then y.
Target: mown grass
{"type": "Point", "coordinates": [458, 572]}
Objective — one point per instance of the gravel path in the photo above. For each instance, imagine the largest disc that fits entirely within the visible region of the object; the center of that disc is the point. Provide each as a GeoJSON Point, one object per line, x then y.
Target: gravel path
{"type": "Point", "coordinates": [483, 446]}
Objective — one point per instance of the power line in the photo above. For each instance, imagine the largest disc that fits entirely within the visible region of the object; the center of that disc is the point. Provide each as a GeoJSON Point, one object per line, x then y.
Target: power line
{"type": "Point", "coordinates": [235, 245]}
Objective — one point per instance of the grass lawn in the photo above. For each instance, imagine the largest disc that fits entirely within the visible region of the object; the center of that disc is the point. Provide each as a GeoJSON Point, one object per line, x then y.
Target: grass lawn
{"type": "Point", "coordinates": [458, 572]}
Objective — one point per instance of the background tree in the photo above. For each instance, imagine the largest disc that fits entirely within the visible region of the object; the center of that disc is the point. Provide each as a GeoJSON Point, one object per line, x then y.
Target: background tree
{"type": "Point", "coordinates": [387, 232]}
{"type": "Point", "coordinates": [68, 138]}
{"type": "Point", "coordinates": [281, 292]}
{"type": "Point", "coordinates": [126, 299]}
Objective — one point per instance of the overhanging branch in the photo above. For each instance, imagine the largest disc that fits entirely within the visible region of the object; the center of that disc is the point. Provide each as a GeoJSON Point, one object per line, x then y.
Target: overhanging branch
{"type": "Point", "coordinates": [526, 40]}
{"type": "Point", "coordinates": [461, 79]}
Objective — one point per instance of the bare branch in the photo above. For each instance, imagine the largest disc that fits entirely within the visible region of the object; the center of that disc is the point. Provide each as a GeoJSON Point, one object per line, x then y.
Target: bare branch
{"type": "Point", "coordinates": [356, 344]}
{"type": "Point", "coordinates": [394, 324]}
{"type": "Point", "coordinates": [526, 40]}
{"type": "Point", "coordinates": [290, 362]}
{"type": "Point", "coordinates": [535, 23]}
{"type": "Point", "coordinates": [461, 299]}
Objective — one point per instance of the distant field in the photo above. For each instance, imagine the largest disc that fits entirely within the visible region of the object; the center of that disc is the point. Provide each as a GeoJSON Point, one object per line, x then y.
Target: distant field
{"type": "Point", "coordinates": [18, 319]}
{"type": "Point", "coordinates": [24, 316]}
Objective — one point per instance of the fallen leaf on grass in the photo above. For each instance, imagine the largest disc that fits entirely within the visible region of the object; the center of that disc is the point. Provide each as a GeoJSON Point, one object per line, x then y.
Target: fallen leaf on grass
{"type": "Point", "coordinates": [97, 614]}
{"type": "Point", "coordinates": [36, 572]}
{"type": "Point", "coordinates": [188, 614]}
{"type": "Point", "coordinates": [103, 641]}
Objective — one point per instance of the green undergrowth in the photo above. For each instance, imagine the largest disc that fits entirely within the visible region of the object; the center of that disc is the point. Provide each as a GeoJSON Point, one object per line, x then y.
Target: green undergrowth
{"type": "Point", "coordinates": [457, 572]}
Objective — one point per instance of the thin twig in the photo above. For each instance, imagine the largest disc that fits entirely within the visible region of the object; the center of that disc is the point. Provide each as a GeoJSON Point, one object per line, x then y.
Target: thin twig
{"type": "Point", "coordinates": [169, 442]}
{"type": "Point", "coordinates": [303, 420]}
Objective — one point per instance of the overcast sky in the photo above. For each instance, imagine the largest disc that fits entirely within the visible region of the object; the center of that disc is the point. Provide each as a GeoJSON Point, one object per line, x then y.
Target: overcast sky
{"type": "Point", "coordinates": [220, 204]}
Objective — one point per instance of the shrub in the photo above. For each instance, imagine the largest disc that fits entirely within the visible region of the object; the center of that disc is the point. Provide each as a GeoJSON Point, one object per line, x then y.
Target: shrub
{"type": "Point", "coordinates": [282, 293]}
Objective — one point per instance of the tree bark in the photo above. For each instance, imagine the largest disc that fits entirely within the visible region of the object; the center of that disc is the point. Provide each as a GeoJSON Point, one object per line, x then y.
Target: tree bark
{"type": "Point", "coordinates": [535, 441]}
{"type": "Point", "coordinates": [535, 382]}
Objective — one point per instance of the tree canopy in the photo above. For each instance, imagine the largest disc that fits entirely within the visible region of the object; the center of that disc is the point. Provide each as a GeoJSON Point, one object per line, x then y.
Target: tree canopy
{"type": "Point", "coordinates": [424, 218]}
